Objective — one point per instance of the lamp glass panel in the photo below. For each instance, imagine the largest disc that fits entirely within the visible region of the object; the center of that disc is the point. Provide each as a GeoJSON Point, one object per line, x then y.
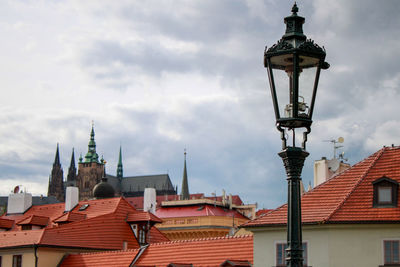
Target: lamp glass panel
{"type": "Point", "coordinates": [282, 90]}
{"type": "Point", "coordinates": [308, 70]}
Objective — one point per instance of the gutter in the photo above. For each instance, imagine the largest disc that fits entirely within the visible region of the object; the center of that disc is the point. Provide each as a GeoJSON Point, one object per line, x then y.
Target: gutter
{"type": "Point", "coordinates": [35, 248]}
{"type": "Point", "coordinates": [138, 255]}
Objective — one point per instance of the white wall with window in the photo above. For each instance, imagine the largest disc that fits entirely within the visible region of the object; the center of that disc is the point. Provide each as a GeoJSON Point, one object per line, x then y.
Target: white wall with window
{"type": "Point", "coordinates": [333, 245]}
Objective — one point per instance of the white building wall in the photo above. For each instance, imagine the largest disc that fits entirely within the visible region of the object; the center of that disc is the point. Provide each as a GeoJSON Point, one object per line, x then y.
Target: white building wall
{"type": "Point", "coordinates": [330, 245]}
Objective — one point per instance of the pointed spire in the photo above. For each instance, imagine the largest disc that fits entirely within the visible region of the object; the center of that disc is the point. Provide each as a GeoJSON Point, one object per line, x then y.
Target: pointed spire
{"type": "Point", "coordinates": [91, 155]}
{"type": "Point", "coordinates": [185, 185]}
{"type": "Point", "coordinates": [120, 171]}
{"type": "Point", "coordinates": [72, 169]}
{"type": "Point", "coordinates": [57, 158]}
{"type": "Point", "coordinates": [72, 164]}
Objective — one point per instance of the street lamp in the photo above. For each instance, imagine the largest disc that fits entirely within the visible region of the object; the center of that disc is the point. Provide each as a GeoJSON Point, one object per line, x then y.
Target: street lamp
{"type": "Point", "coordinates": [293, 65]}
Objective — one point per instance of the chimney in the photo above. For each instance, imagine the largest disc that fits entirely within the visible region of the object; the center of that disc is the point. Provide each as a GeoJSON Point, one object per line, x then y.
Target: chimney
{"type": "Point", "coordinates": [149, 200]}
{"type": "Point", "coordinates": [71, 198]}
{"type": "Point", "coordinates": [19, 202]}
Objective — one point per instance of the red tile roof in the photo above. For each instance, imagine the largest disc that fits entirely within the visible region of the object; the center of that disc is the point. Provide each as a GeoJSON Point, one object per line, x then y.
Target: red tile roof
{"type": "Point", "coordinates": [142, 216]}
{"type": "Point", "coordinates": [347, 197]}
{"type": "Point", "coordinates": [199, 252]}
{"type": "Point", "coordinates": [103, 259]}
{"type": "Point", "coordinates": [196, 210]}
{"type": "Point", "coordinates": [56, 211]}
{"type": "Point", "coordinates": [6, 223]}
{"type": "Point", "coordinates": [70, 217]}
{"type": "Point", "coordinates": [34, 220]}
{"type": "Point", "coordinates": [262, 212]}
{"type": "Point", "coordinates": [20, 238]}
{"type": "Point", "coordinates": [104, 231]}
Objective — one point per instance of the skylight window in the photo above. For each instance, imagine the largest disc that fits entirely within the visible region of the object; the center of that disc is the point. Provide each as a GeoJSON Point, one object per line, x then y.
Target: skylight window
{"type": "Point", "coordinates": [83, 207]}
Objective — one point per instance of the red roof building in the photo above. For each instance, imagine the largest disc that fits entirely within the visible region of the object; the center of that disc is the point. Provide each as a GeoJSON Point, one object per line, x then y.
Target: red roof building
{"type": "Point", "coordinates": [237, 251]}
{"type": "Point", "coordinates": [95, 225]}
{"type": "Point", "coordinates": [356, 213]}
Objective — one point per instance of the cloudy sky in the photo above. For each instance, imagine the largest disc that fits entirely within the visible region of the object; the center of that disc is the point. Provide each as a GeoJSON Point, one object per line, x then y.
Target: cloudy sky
{"type": "Point", "coordinates": [160, 76]}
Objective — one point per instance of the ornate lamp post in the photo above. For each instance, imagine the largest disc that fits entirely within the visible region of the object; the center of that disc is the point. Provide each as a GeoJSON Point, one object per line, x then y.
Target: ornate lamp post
{"type": "Point", "coordinates": [293, 66]}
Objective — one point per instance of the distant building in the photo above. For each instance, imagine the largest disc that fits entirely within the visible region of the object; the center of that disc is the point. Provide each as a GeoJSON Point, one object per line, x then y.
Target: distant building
{"type": "Point", "coordinates": [91, 170]}
{"type": "Point", "coordinates": [44, 235]}
{"type": "Point", "coordinates": [202, 217]}
{"type": "Point", "coordinates": [352, 219]}
{"type": "Point", "coordinates": [325, 169]}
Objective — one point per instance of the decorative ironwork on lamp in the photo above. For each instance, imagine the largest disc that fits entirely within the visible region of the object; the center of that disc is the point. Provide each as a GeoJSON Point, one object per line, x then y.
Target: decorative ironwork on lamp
{"type": "Point", "coordinates": [301, 60]}
{"type": "Point", "coordinates": [293, 97]}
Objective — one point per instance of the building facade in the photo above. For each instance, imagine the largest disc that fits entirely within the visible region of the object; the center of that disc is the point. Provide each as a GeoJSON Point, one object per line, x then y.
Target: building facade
{"type": "Point", "coordinates": [352, 219]}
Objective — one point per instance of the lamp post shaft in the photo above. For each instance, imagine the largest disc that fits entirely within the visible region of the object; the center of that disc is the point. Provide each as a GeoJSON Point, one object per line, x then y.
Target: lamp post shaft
{"type": "Point", "coordinates": [293, 160]}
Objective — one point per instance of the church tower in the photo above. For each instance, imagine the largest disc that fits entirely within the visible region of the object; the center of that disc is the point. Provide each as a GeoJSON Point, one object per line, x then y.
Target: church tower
{"type": "Point", "coordinates": [90, 170]}
{"type": "Point", "coordinates": [120, 173]}
{"type": "Point", "coordinates": [56, 179]}
{"type": "Point", "coordinates": [185, 186]}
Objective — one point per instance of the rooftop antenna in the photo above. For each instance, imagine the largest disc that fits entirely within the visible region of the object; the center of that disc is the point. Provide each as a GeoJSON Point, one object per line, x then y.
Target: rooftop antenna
{"type": "Point", "coordinates": [335, 146]}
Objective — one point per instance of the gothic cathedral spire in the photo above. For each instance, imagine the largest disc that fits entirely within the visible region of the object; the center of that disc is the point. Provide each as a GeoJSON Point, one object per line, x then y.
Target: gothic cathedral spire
{"type": "Point", "coordinates": [72, 169]}
{"type": "Point", "coordinates": [56, 179]}
{"type": "Point", "coordinates": [185, 186]}
{"type": "Point", "coordinates": [119, 166]}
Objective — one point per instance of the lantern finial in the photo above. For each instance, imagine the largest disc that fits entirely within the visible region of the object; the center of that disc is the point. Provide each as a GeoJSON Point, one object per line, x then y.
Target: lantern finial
{"type": "Point", "coordinates": [295, 9]}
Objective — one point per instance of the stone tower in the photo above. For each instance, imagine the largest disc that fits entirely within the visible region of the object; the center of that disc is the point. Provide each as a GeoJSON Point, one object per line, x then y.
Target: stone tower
{"type": "Point", "coordinates": [56, 179]}
{"type": "Point", "coordinates": [90, 170]}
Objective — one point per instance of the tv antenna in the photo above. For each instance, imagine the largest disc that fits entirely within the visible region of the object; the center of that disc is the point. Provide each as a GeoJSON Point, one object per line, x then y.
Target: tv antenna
{"type": "Point", "coordinates": [340, 140]}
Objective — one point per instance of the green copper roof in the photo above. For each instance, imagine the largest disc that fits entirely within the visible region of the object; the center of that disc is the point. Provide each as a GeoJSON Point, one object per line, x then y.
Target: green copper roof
{"type": "Point", "coordinates": [91, 155]}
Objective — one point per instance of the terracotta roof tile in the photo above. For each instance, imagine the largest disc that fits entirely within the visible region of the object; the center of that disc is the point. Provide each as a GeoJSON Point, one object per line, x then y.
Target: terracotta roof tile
{"type": "Point", "coordinates": [6, 223]}
{"type": "Point", "coordinates": [347, 197]}
{"type": "Point", "coordinates": [55, 211]}
{"type": "Point", "coordinates": [200, 252]}
{"type": "Point", "coordinates": [104, 231]}
{"type": "Point", "coordinates": [20, 238]}
{"type": "Point", "coordinates": [34, 220]}
{"type": "Point", "coordinates": [197, 210]}
{"type": "Point", "coordinates": [103, 259]}
{"type": "Point", "coordinates": [70, 217]}
{"type": "Point", "coordinates": [142, 216]}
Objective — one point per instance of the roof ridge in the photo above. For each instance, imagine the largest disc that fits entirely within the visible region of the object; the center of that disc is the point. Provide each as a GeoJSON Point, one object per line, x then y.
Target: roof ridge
{"type": "Point", "coordinates": [343, 172]}
{"type": "Point", "coordinates": [362, 177]}
{"type": "Point", "coordinates": [108, 251]}
{"type": "Point", "coordinates": [41, 236]}
{"type": "Point", "coordinates": [201, 239]}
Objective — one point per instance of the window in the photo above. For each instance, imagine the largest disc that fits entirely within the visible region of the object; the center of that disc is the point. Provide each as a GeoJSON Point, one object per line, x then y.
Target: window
{"type": "Point", "coordinates": [280, 254]}
{"type": "Point", "coordinates": [17, 261]}
{"type": "Point", "coordinates": [26, 227]}
{"type": "Point", "coordinates": [391, 252]}
{"type": "Point", "coordinates": [385, 192]}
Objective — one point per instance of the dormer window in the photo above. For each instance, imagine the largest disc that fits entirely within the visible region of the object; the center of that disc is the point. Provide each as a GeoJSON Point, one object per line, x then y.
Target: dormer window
{"type": "Point", "coordinates": [385, 192]}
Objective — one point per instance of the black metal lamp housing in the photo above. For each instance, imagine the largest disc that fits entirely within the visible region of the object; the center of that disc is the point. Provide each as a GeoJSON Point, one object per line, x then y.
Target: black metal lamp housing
{"type": "Point", "coordinates": [298, 60]}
